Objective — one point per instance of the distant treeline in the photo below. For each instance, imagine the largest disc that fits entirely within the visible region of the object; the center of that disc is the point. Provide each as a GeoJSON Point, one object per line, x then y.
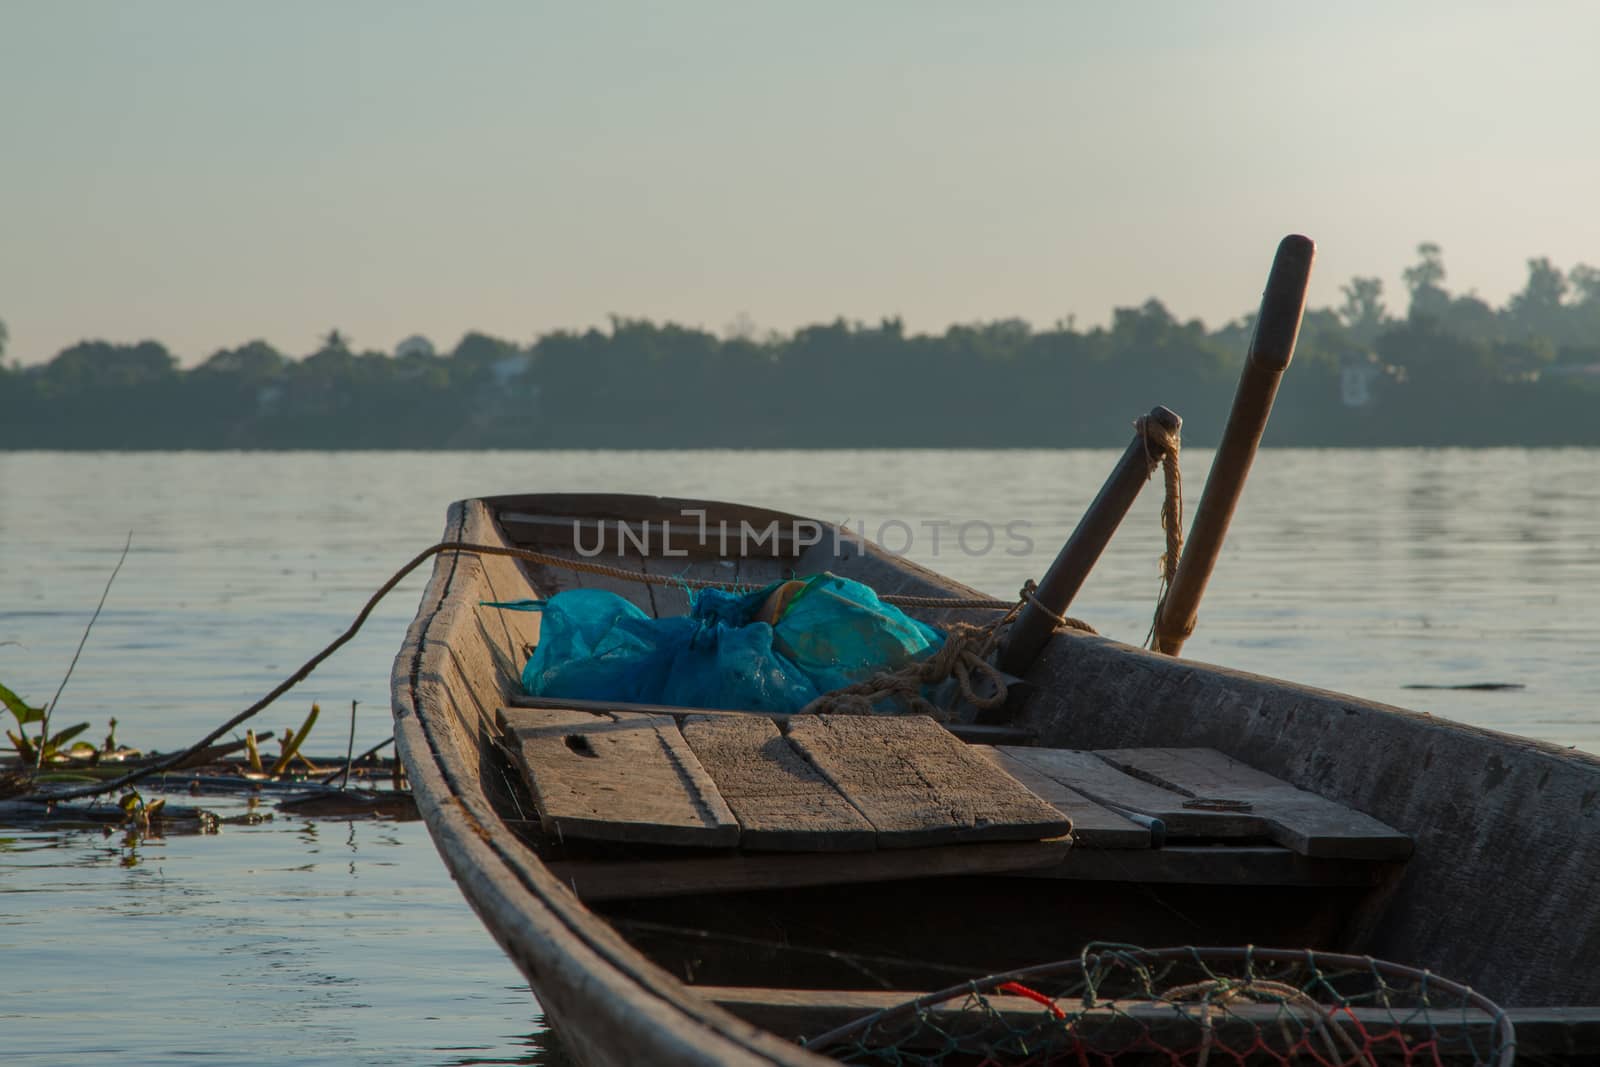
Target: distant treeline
{"type": "Point", "coordinates": [1451, 371]}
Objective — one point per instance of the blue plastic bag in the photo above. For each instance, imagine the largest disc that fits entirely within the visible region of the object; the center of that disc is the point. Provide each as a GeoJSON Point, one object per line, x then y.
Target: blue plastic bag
{"type": "Point", "coordinates": [772, 649]}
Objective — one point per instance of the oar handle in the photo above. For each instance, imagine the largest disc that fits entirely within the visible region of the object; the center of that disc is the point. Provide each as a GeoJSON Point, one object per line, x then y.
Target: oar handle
{"type": "Point", "coordinates": [1037, 620]}
{"type": "Point", "coordinates": [1271, 348]}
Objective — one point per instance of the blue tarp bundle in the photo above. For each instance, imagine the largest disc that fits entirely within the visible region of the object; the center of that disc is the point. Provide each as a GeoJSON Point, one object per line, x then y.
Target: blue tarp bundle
{"type": "Point", "coordinates": [773, 649]}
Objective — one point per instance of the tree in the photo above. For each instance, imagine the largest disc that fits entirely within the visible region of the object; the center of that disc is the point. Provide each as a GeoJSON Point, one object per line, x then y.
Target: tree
{"type": "Point", "coordinates": [480, 351]}
{"type": "Point", "coordinates": [1584, 278]}
{"type": "Point", "coordinates": [1363, 311]}
{"type": "Point", "coordinates": [1538, 310]}
{"type": "Point", "coordinates": [100, 364]}
{"type": "Point", "coordinates": [1428, 298]}
{"type": "Point", "coordinates": [1545, 290]}
{"type": "Point", "coordinates": [4, 336]}
{"type": "Point", "coordinates": [254, 362]}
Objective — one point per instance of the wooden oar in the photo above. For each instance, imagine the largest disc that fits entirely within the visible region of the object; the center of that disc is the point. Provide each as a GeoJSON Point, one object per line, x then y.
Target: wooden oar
{"type": "Point", "coordinates": [1062, 581]}
{"type": "Point", "coordinates": [1271, 348]}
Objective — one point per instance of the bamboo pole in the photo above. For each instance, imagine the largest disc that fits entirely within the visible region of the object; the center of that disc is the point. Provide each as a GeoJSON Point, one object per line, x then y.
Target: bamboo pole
{"type": "Point", "coordinates": [1271, 348]}
{"type": "Point", "coordinates": [1077, 557]}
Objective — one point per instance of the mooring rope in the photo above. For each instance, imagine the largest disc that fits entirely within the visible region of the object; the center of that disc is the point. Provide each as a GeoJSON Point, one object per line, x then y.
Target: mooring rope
{"type": "Point", "coordinates": [965, 654]}
{"type": "Point", "coordinates": [1158, 440]}
{"type": "Point", "coordinates": [956, 657]}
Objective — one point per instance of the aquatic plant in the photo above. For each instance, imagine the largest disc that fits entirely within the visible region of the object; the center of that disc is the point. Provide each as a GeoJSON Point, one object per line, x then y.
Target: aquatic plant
{"type": "Point", "coordinates": [48, 747]}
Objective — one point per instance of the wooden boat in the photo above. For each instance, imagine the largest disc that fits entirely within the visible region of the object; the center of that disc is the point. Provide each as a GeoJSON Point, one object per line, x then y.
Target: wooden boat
{"type": "Point", "coordinates": [1207, 807]}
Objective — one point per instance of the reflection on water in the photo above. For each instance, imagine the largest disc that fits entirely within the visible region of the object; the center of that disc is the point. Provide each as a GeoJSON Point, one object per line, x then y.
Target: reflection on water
{"type": "Point", "coordinates": [339, 941]}
{"type": "Point", "coordinates": [287, 940]}
{"type": "Point", "coordinates": [542, 1048]}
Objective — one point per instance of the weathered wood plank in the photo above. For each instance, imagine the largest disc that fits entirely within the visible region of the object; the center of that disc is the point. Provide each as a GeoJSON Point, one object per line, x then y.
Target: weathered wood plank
{"type": "Point", "coordinates": [970, 732]}
{"type": "Point", "coordinates": [638, 591]}
{"type": "Point", "coordinates": [1309, 824]}
{"type": "Point", "coordinates": [674, 599]}
{"type": "Point", "coordinates": [780, 800]}
{"type": "Point", "coordinates": [1105, 784]}
{"type": "Point", "coordinates": [640, 880]}
{"type": "Point", "coordinates": [618, 776]}
{"type": "Point", "coordinates": [917, 784]}
{"type": "Point", "coordinates": [1093, 826]}
{"type": "Point", "coordinates": [551, 579]}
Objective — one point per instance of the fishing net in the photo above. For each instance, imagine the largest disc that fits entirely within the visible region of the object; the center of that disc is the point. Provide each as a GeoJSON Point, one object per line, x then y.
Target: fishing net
{"type": "Point", "coordinates": [1117, 1005]}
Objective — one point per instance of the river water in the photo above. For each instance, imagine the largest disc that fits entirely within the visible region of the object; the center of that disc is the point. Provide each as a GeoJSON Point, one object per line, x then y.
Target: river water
{"type": "Point", "coordinates": [344, 941]}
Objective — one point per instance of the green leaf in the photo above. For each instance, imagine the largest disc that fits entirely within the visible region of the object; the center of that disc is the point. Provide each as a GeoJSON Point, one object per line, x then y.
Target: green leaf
{"type": "Point", "coordinates": [67, 735]}
{"type": "Point", "coordinates": [23, 746]}
{"type": "Point", "coordinates": [19, 707]}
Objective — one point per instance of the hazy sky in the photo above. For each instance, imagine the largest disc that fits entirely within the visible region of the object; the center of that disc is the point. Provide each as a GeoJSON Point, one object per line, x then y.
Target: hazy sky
{"type": "Point", "coordinates": [208, 172]}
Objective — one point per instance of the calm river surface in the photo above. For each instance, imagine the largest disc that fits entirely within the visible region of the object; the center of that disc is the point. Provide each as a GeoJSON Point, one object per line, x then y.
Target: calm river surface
{"type": "Point", "coordinates": [336, 941]}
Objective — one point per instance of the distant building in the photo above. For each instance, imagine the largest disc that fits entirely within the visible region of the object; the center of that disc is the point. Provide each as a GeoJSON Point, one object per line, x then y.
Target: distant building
{"type": "Point", "coordinates": [1355, 384]}
{"type": "Point", "coordinates": [269, 400]}
{"type": "Point", "coordinates": [1360, 377]}
{"type": "Point", "coordinates": [416, 346]}
{"type": "Point", "coordinates": [509, 369]}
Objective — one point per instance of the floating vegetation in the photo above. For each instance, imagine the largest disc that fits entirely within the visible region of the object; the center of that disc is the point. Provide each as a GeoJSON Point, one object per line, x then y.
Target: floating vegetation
{"type": "Point", "coordinates": [47, 747]}
{"type": "Point", "coordinates": [83, 774]}
{"type": "Point", "coordinates": [371, 785]}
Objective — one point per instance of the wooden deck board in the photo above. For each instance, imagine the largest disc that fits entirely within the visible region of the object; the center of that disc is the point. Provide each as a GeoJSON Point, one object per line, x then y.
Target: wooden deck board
{"type": "Point", "coordinates": [1093, 826]}
{"type": "Point", "coordinates": [918, 785]}
{"type": "Point", "coordinates": [780, 800]}
{"type": "Point", "coordinates": [977, 733]}
{"type": "Point", "coordinates": [620, 776]}
{"type": "Point", "coordinates": [1107, 785]}
{"type": "Point", "coordinates": [1309, 824]}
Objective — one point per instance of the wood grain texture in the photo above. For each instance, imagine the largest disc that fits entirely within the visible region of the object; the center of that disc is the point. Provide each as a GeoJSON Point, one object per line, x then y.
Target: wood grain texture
{"type": "Point", "coordinates": [1093, 826]}
{"type": "Point", "coordinates": [619, 776]}
{"type": "Point", "coordinates": [672, 600]}
{"type": "Point", "coordinates": [781, 801]}
{"type": "Point", "coordinates": [918, 785]}
{"type": "Point", "coordinates": [595, 882]}
{"type": "Point", "coordinates": [1309, 824]}
{"type": "Point", "coordinates": [975, 733]}
{"type": "Point", "coordinates": [1105, 784]}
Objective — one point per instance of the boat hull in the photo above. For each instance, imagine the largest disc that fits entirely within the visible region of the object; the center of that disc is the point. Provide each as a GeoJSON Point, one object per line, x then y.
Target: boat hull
{"type": "Point", "coordinates": [1498, 894]}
